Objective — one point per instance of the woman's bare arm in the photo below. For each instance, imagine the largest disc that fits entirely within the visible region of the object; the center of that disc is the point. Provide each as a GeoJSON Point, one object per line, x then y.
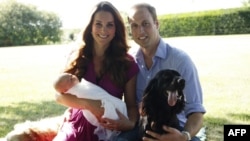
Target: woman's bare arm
{"type": "Point", "coordinates": [130, 100]}
{"type": "Point", "coordinates": [69, 100]}
{"type": "Point", "coordinates": [124, 123]}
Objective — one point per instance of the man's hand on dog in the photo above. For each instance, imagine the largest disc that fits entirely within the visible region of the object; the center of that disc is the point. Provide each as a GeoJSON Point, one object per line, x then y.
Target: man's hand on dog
{"type": "Point", "coordinates": [172, 135]}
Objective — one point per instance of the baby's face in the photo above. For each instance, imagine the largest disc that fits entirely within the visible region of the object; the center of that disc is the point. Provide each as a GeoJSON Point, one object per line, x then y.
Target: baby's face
{"type": "Point", "coordinates": [66, 81]}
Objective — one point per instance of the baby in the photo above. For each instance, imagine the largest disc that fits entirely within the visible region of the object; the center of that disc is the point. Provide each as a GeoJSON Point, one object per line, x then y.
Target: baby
{"type": "Point", "coordinates": [69, 84]}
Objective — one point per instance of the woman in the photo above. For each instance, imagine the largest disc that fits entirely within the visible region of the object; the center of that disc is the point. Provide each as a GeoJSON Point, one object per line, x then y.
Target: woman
{"type": "Point", "coordinates": [103, 60]}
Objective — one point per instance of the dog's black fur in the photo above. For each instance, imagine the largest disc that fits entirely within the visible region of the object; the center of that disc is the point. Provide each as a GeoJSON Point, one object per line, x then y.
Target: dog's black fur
{"type": "Point", "coordinates": [155, 108]}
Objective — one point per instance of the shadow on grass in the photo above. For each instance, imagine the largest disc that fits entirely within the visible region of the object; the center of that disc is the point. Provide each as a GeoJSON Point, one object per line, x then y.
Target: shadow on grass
{"type": "Point", "coordinates": [215, 126]}
{"type": "Point", "coordinates": [20, 112]}
{"type": "Point", "coordinates": [242, 117]}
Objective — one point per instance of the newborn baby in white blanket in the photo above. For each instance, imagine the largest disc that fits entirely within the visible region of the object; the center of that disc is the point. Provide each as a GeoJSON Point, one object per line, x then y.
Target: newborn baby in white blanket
{"type": "Point", "coordinates": [69, 84]}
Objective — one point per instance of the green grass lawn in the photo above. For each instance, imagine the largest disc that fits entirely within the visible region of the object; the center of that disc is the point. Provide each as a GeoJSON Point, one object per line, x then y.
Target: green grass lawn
{"type": "Point", "coordinates": [223, 62]}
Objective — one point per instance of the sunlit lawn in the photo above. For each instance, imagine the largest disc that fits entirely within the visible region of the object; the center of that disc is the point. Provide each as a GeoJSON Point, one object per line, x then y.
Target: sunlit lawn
{"type": "Point", "coordinates": [27, 73]}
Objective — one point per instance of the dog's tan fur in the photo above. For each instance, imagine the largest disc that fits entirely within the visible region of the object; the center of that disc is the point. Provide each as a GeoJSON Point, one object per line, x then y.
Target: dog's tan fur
{"type": "Point", "coordinates": [42, 130]}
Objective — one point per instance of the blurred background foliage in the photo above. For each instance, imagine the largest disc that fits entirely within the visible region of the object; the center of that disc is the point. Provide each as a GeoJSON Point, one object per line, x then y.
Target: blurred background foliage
{"type": "Point", "coordinates": [22, 24]}
{"type": "Point", "coordinates": [214, 22]}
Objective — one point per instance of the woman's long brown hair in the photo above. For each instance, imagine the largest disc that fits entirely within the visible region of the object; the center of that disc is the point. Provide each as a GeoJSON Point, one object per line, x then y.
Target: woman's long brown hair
{"type": "Point", "coordinates": [116, 61]}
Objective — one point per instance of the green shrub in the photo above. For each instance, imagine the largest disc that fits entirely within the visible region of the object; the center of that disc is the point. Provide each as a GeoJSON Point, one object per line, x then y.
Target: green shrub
{"type": "Point", "coordinates": [25, 25]}
{"type": "Point", "coordinates": [215, 22]}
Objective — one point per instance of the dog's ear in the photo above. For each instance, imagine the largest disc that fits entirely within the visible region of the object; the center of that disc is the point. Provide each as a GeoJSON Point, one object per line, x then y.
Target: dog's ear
{"type": "Point", "coordinates": [180, 104]}
{"type": "Point", "coordinates": [176, 73]}
{"type": "Point", "coordinates": [149, 97]}
{"type": "Point", "coordinates": [180, 83]}
{"type": "Point", "coordinates": [181, 100]}
{"type": "Point", "coordinates": [152, 86]}
{"type": "Point", "coordinates": [149, 94]}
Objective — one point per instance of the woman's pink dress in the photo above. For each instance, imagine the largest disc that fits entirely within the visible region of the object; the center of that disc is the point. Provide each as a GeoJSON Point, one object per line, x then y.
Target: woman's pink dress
{"type": "Point", "coordinates": [78, 128]}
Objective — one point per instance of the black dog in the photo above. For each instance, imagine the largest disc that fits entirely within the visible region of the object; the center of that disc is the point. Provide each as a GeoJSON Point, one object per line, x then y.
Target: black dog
{"type": "Point", "coordinates": [162, 100]}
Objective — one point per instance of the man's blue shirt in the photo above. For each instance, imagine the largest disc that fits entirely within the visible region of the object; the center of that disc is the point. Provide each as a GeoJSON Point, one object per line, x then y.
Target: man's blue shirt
{"type": "Point", "coordinates": [167, 57]}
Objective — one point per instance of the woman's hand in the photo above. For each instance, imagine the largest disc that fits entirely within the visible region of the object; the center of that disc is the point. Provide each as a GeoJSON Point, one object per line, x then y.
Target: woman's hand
{"type": "Point", "coordinates": [121, 124]}
{"type": "Point", "coordinates": [67, 114]}
{"type": "Point", "coordinates": [94, 106]}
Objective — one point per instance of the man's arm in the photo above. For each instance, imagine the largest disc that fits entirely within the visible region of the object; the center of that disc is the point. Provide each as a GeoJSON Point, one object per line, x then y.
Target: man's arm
{"type": "Point", "coordinates": [194, 123]}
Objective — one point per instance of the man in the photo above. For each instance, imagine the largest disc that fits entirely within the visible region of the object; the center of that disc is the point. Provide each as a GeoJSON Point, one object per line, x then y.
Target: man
{"type": "Point", "coordinates": [154, 55]}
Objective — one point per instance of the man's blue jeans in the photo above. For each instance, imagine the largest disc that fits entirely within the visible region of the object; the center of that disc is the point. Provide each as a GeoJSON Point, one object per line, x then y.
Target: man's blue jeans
{"type": "Point", "coordinates": [131, 135]}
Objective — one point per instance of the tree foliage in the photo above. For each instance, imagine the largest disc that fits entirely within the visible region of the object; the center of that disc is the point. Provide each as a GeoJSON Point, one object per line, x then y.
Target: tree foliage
{"type": "Point", "coordinates": [212, 22]}
{"type": "Point", "coordinates": [246, 3]}
{"type": "Point", "coordinates": [22, 24]}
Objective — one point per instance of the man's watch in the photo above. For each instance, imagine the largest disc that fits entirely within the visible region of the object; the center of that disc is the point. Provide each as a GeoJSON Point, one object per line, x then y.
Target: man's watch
{"type": "Point", "coordinates": [186, 133]}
